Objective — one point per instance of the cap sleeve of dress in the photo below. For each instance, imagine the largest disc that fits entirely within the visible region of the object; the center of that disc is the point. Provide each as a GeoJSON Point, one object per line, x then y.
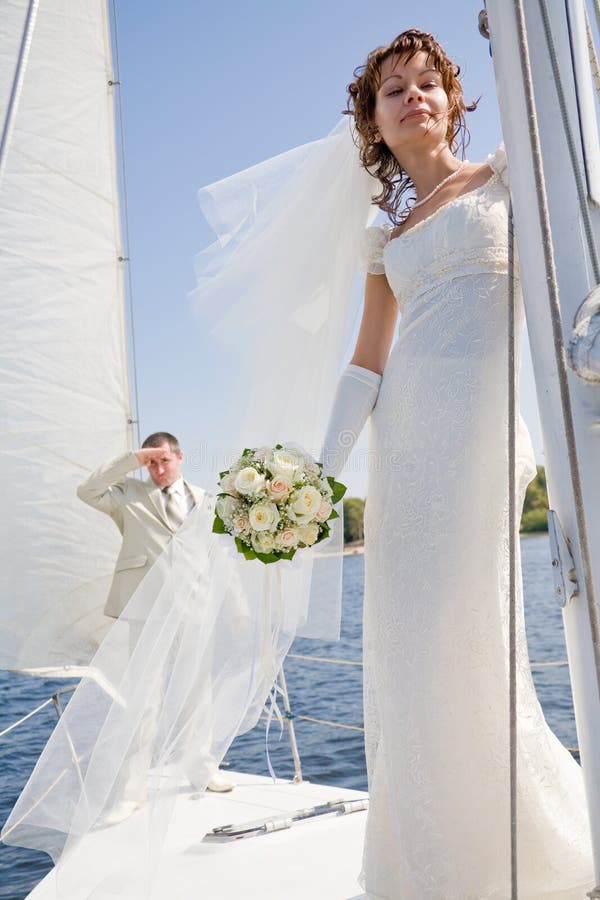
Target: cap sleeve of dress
{"type": "Point", "coordinates": [497, 161]}
{"type": "Point", "coordinates": [375, 239]}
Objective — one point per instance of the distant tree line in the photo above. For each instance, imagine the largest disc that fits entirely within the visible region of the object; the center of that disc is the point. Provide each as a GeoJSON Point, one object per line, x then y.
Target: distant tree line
{"type": "Point", "coordinates": [354, 528]}
{"type": "Point", "coordinates": [535, 508]}
{"type": "Point", "coordinates": [534, 516]}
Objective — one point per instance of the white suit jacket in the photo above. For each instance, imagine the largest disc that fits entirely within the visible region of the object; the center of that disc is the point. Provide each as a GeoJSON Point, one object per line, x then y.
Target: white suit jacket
{"type": "Point", "coordinates": [137, 509]}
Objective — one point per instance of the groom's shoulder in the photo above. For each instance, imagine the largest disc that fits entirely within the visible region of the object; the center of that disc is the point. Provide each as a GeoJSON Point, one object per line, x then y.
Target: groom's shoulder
{"type": "Point", "coordinates": [199, 493]}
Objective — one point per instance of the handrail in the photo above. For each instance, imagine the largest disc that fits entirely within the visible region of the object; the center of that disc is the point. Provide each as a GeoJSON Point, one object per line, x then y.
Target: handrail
{"type": "Point", "coordinates": [53, 699]}
{"type": "Point", "coordinates": [288, 714]}
{"type": "Point", "coordinates": [334, 661]}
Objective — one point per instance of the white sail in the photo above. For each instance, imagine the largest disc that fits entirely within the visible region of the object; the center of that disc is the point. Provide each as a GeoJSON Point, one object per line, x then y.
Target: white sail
{"type": "Point", "coordinates": [559, 171]}
{"type": "Point", "coordinates": [63, 384]}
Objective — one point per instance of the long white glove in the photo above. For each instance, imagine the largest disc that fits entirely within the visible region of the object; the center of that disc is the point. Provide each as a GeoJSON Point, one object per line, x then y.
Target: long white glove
{"type": "Point", "coordinates": [355, 398]}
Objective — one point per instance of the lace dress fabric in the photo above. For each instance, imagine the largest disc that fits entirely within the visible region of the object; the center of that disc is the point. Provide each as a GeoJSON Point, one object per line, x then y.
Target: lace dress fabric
{"type": "Point", "coordinates": [436, 589]}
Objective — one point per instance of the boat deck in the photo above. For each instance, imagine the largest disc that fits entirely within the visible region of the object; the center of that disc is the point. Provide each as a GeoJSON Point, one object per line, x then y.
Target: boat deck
{"type": "Point", "coordinates": [317, 859]}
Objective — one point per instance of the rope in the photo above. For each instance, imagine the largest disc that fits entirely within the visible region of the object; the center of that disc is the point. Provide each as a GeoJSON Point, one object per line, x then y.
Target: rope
{"type": "Point", "coordinates": [595, 66]}
{"type": "Point", "coordinates": [290, 723]}
{"type": "Point", "coordinates": [512, 553]}
{"type": "Point", "coordinates": [324, 659]}
{"type": "Point", "coordinates": [331, 724]}
{"type": "Point", "coordinates": [597, 13]}
{"type": "Point", "coordinates": [126, 259]}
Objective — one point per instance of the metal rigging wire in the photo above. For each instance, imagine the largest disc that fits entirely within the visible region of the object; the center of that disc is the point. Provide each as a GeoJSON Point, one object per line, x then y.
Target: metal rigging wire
{"type": "Point", "coordinates": [126, 258]}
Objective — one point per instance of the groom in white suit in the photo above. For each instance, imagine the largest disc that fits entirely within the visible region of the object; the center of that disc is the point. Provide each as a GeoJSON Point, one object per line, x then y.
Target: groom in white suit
{"type": "Point", "coordinates": [147, 513]}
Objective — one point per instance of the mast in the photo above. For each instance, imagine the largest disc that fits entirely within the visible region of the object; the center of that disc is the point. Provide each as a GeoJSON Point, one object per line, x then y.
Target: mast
{"type": "Point", "coordinates": [64, 394]}
{"type": "Point", "coordinates": [545, 94]}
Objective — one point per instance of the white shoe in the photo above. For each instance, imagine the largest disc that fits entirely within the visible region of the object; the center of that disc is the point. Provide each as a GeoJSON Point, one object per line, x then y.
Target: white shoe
{"type": "Point", "coordinates": [121, 811]}
{"type": "Point", "coordinates": [220, 783]}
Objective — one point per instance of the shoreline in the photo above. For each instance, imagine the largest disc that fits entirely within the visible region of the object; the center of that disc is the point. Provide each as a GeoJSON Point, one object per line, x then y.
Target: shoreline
{"type": "Point", "coordinates": [354, 548]}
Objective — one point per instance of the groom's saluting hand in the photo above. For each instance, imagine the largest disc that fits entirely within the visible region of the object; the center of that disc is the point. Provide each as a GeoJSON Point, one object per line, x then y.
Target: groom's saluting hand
{"type": "Point", "coordinates": [162, 463]}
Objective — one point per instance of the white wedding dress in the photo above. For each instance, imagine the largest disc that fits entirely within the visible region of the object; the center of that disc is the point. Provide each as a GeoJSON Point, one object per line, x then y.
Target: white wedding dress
{"type": "Point", "coordinates": [436, 594]}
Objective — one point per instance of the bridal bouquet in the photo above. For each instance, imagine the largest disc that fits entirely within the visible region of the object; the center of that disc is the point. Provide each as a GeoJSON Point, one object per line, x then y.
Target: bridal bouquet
{"type": "Point", "coordinates": [274, 502]}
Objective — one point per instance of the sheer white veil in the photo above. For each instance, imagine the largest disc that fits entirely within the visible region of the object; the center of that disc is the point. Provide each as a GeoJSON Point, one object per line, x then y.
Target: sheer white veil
{"type": "Point", "coordinates": [277, 302]}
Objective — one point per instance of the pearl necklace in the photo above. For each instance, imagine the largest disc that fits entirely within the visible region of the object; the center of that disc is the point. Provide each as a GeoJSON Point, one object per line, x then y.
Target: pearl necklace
{"type": "Point", "coordinates": [440, 185]}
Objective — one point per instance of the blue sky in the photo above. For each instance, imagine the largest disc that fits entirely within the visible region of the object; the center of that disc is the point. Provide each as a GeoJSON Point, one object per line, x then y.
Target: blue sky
{"type": "Point", "coordinates": [209, 89]}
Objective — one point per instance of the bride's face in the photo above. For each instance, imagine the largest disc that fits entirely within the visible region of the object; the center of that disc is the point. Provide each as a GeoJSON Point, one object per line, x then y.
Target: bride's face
{"type": "Point", "coordinates": [411, 103]}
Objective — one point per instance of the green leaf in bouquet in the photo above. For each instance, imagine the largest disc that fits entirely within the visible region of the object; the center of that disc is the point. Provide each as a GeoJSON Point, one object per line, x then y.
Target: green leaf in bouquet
{"type": "Point", "coordinates": [267, 557]}
{"type": "Point", "coordinates": [289, 554]}
{"type": "Point", "coordinates": [279, 446]}
{"type": "Point", "coordinates": [219, 526]}
{"type": "Point", "coordinates": [223, 474]}
{"type": "Point", "coordinates": [334, 515]}
{"type": "Point", "coordinates": [245, 548]}
{"type": "Point", "coordinates": [324, 533]}
{"type": "Point", "coordinates": [338, 489]}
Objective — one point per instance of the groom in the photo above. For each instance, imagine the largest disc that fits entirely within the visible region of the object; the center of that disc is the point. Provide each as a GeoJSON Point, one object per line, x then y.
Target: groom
{"type": "Point", "coordinates": [147, 513]}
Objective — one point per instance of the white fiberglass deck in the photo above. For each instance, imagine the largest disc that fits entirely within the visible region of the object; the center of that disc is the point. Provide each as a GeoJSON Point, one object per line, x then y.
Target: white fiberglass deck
{"type": "Point", "coordinates": [318, 859]}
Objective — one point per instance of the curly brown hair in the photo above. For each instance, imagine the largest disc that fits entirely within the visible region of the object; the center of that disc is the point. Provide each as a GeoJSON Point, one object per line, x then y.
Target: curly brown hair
{"type": "Point", "coordinates": [375, 156]}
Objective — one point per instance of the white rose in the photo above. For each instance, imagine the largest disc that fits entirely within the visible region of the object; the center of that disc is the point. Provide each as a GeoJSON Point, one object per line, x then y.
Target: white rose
{"type": "Point", "coordinates": [226, 507]}
{"type": "Point", "coordinates": [227, 484]}
{"type": "Point", "coordinates": [263, 516]}
{"type": "Point", "coordinates": [326, 488]}
{"type": "Point", "coordinates": [263, 542]}
{"type": "Point", "coordinates": [284, 465]}
{"type": "Point", "coordinates": [308, 534]}
{"type": "Point", "coordinates": [249, 481]}
{"type": "Point", "coordinates": [306, 501]}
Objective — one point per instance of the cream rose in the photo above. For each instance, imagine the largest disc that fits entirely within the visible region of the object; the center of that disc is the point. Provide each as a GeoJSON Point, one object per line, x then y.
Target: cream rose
{"type": "Point", "coordinates": [310, 467]}
{"type": "Point", "coordinates": [287, 538]}
{"type": "Point", "coordinates": [226, 507]}
{"type": "Point", "coordinates": [249, 481]}
{"type": "Point", "coordinates": [278, 490]}
{"type": "Point", "coordinates": [263, 542]}
{"type": "Point", "coordinates": [308, 534]}
{"type": "Point", "coordinates": [241, 523]}
{"type": "Point", "coordinates": [306, 501]}
{"type": "Point", "coordinates": [263, 516]}
{"type": "Point", "coordinates": [324, 511]}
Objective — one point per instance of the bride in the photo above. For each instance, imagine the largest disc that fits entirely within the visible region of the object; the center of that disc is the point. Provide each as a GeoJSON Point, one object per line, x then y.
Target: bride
{"type": "Point", "coordinates": [436, 530]}
{"type": "Point", "coordinates": [436, 561]}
